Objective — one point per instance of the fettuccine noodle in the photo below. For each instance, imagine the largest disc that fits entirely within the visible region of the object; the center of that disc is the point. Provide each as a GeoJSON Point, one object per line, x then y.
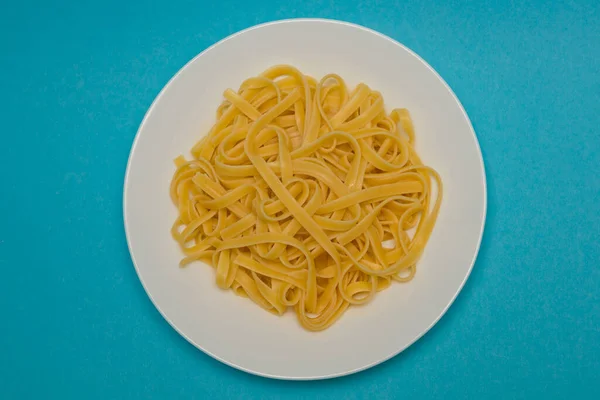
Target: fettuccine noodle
{"type": "Point", "coordinates": [305, 194]}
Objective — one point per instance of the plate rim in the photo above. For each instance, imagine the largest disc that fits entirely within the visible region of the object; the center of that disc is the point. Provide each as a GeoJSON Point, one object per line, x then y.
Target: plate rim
{"type": "Point", "coordinates": [395, 352]}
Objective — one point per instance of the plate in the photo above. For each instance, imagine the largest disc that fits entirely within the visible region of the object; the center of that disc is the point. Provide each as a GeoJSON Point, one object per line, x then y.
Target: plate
{"type": "Point", "coordinates": [233, 329]}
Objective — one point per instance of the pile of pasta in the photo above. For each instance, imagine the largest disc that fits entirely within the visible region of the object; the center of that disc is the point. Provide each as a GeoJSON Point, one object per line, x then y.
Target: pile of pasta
{"type": "Point", "coordinates": [305, 194]}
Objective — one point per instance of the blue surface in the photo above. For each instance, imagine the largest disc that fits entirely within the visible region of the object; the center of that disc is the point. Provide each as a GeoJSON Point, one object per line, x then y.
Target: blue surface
{"type": "Point", "coordinates": [76, 79]}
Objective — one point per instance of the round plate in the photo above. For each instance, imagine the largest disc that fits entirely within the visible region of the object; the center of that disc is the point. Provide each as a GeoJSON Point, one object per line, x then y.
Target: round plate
{"type": "Point", "coordinates": [233, 329]}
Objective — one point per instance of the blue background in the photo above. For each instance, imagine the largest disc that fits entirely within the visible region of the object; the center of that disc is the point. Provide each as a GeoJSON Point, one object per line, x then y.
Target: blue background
{"type": "Point", "coordinates": [76, 79]}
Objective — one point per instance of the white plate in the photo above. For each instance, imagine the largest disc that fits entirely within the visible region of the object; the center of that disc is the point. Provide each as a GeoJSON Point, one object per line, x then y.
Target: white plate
{"type": "Point", "coordinates": [233, 329]}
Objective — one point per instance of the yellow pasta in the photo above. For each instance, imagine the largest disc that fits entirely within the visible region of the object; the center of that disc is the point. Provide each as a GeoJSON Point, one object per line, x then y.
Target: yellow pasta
{"type": "Point", "coordinates": [305, 195]}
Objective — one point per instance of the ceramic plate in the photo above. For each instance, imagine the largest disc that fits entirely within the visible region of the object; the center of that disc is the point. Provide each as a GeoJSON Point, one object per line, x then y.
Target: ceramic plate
{"type": "Point", "coordinates": [233, 329]}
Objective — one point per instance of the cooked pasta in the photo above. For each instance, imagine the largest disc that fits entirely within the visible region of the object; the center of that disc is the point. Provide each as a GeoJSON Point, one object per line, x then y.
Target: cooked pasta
{"type": "Point", "coordinates": [305, 194]}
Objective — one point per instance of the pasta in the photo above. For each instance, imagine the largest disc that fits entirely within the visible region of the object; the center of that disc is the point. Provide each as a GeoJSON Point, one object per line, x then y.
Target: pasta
{"type": "Point", "coordinates": [305, 195]}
